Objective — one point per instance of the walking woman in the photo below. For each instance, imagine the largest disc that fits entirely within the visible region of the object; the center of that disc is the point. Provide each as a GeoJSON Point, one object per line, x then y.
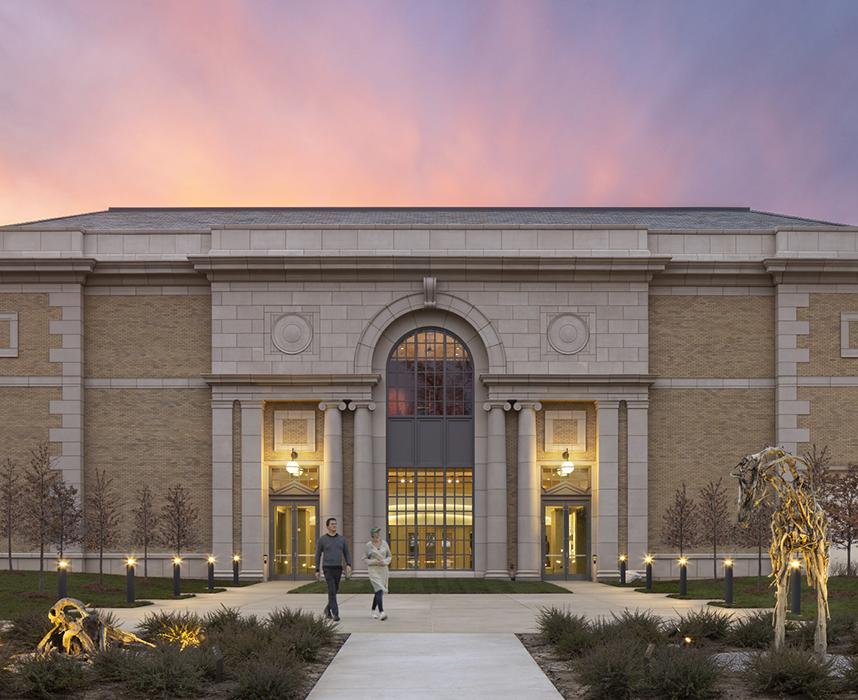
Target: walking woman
{"type": "Point", "coordinates": [377, 560]}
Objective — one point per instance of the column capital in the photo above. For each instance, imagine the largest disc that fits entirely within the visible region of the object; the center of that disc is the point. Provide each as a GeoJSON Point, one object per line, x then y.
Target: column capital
{"type": "Point", "coordinates": [489, 405]}
{"type": "Point", "coordinates": [637, 403]}
{"type": "Point", "coordinates": [535, 405]}
{"type": "Point", "coordinates": [223, 403]}
{"type": "Point", "coordinates": [610, 404]}
{"type": "Point", "coordinates": [354, 405]}
{"type": "Point", "coordinates": [328, 405]}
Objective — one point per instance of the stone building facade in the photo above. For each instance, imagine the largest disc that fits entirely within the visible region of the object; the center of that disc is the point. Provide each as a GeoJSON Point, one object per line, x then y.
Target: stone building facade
{"type": "Point", "coordinates": [498, 388]}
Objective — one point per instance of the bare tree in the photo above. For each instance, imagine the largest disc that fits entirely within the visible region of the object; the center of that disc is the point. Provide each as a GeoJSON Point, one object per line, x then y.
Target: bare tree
{"type": "Point", "coordinates": [758, 533]}
{"type": "Point", "coordinates": [36, 503]}
{"type": "Point", "coordinates": [10, 503]}
{"type": "Point", "coordinates": [819, 462]}
{"type": "Point", "coordinates": [681, 521]}
{"type": "Point", "coordinates": [103, 515]}
{"type": "Point", "coordinates": [713, 511]}
{"type": "Point", "coordinates": [66, 515]}
{"type": "Point", "coordinates": [178, 517]}
{"type": "Point", "coordinates": [842, 510]}
{"type": "Point", "coordinates": [145, 524]}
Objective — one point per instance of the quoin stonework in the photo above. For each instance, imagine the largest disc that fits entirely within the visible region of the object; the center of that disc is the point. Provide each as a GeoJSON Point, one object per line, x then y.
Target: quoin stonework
{"type": "Point", "coordinates": [498, 389]}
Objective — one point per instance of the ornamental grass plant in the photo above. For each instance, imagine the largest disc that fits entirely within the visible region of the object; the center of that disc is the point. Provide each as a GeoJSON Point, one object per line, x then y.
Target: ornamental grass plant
{"type": "Point", "coordinates": [790, 671]}
{"type": "Point", "coordinates": [677, 673]}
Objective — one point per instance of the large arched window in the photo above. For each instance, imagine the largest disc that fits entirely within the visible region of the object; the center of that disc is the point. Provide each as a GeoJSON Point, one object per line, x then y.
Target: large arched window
{"type": "Point", "coordinates": [430, 443]}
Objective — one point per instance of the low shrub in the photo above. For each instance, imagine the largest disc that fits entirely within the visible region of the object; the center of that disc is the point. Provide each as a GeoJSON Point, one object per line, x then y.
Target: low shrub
{"type": "Point", "coordinates": [575, 638]}
{"type": "Point", "coordinates": [752, 632]}
{"type": "Point", "coordinates": [848, 681]}
{"type": "Point", "coordinates": [274, 676]}
{"type": "Point", "coordinates": [168, 672]}
{"type": "Point", "coordinates": [705, 624]}
{"type": "Point", "coordinates": [114, 663]}
{"type": "Point", "coordinates": [317, 625]}
{"type": "Point", "coordinates": [183, 627]}
{"type": "Point", "coordinates": [843, 629]}
{"type": "Point", "coordinates": [642, 625]}
{"type": "Point", "coordinates": [48, 676]}
{"type": "Point", "coordinates": [790, 672]}
{"type": "Point", "coordinates": [612, 670]}
{"type": "Point", "coordinates": [678, 672]}
{"type": "Point", "coordinates": [222, 617]}
{"type": "Point", "coordinates": [26, 630]}
{"type": "Point", "coordinates": [552, 622]}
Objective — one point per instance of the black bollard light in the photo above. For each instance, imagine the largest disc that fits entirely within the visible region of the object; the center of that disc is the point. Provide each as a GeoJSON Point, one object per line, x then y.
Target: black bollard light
{"type": "Point", "coordinates": [177, 577]}
{"type": "Point", "coordinates": [236, 561]}
{"type": "Point", "coordinates": [648, 562]}
{"type": "Point", "coordinates": [211, 573]}
{"type": "Point", "coordinates": [795, 586]}
{"type": "Point", "coordinates": [130, 594]}
{"type": "Point", "coordinates": [62, 578]}
{"type": "Point", "coordinates": [728, 581]}
{"type": "Point", "coordinates": [623, 569]}
{"type": "Point", "coordinates": [683, 575]}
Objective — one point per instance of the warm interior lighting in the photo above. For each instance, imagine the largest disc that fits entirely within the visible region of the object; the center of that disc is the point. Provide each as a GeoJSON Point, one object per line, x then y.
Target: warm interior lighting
{"type": "Point", "coordinates": [683, 561]}
{"type": "Point", "coordinates": [177, 560]}
{"type": "Point", "coordinates": [728, 563]}
{"type": "Point", "coordinates": [292, 465]}
{"type": "Point", "coordinates": [567, 467]}
{"type": "Point", "coordinates": [648, 559]}
{"type": "Point", "coordinates": [131, 561]}
{"type": "Point", "coordinates": [63, 564]}
{"type": "Point", "coordinates": [236, 557]}
{"type": "Point", "coordinates": [211, 560]}
{"type": "Point", "coordinates": [795, 564]}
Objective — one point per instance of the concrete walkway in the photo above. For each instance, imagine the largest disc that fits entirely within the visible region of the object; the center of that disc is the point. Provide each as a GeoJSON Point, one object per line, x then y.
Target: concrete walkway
{"type": "Point", "coordinates": [439, 666]}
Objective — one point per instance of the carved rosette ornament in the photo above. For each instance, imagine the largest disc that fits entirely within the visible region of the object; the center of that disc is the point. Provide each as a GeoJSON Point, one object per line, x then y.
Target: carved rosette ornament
{"type": "Point", "coordinates": [568, 333]}
{"type": "Point", "coordinates": [291, 334]}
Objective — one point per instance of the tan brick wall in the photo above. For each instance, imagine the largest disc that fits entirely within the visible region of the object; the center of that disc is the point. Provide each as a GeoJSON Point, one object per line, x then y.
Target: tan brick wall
{"type": "Point", "coordinates": [158, 437]}
{"type": "Point", "coordinates": [34, 341]}
{"type": "Point", "coordinates": [147, 336]}
{"type": "Point", "coordinates": [833, 421]}
{"type": "Point", "coordinates": [268, 431]}
{"type": "Point", "coordinates": [592, 437]}
{"type": "Point", "coordinates": [698, 435]}
{"type": "Point", "coordinates": [712, 336]}
{"type": "Point", "coordinates": [5, 334]}
{"type": "Point", "coordinates": [824, 338]}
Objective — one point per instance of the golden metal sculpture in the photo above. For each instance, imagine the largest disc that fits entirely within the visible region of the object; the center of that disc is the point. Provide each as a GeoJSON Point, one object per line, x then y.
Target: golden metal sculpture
{"type": "Point", "coordinates": [799, 527]}
{"type": "Point", "coordinates": [77, 632]}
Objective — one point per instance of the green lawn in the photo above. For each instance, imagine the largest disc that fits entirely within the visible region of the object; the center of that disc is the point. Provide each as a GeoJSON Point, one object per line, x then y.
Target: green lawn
{"type": "Point", "coordinates": [19, 590]}
{"type": "Point", "coordinates": [438, 585]}
{"type": "Point", "coordinates": [753, 592]}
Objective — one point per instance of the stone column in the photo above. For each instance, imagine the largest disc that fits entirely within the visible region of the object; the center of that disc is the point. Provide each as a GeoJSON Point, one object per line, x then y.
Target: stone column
{"type": "Point", "coordinates": [254, 500]}
{"type": "Point", "coordinates": [331, 473]}
{"type": "Point", "coordinates": [638, 496]}
{"type": "Point", "coordinates": [496, 549]}
{"type": "Point", "coordinates": [605, 493]}
{"type": "Point", "coordinates": [363, 518]}
{"type": "Point", "coordinates": [529, 492]}
{"type": "Point", "coordinates": [222, 485]}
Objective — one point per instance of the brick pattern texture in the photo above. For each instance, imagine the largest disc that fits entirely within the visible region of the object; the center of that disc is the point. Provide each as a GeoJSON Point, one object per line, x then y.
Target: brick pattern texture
{"type": "Point", "coordinates": [147, 336]}
{"type": "Point", "coordinates": [712, 336]}
{"type": "Point", "coordinates": [833, 421]}
{"type": "Point", "coordinates": [824, 338]}
{"type": "Point", "coordinates": [592, 437]}
{"type": "Point", "coordinates": [698, 435]}
{"type": "Point", "coordinates": [158, 437]}
{"type": "Point", "coordinates": [34, 340]}
{"type": "Point", "coordinates": [304, 458]}
{"type": "Point", "coordinates": [5, 334]}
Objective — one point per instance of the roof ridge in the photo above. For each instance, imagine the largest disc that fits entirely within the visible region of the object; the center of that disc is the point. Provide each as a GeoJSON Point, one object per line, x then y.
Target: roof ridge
{"type": "Point", "coordinates": [424, 208]}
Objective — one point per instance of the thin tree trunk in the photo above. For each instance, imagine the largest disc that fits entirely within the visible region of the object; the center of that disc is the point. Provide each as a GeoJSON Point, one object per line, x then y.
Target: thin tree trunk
{"type": "Point", "coordinates": [146, 559]}
{"type": "Point", "coordinates": [101, 564]}
{"type": "Point", "coordinates": [41, 564]}
{"type": "Point", "coordinates": [760, 560]}
{"type": "Point", "coordinates": [9, 536]}
{"type": "Point", "coordinates": [715, 560]}
{"type": "Point", "coordinates": [849, 557]}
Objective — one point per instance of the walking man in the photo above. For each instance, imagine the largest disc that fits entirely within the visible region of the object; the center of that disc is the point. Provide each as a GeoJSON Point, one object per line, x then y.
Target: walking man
{"type": "Point", "coordinates": [333, 550]}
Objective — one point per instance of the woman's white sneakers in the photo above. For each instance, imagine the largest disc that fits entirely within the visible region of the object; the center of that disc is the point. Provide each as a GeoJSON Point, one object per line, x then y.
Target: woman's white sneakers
{"type": "Point", "coordinates": [383, 616]}
{"type": "Point", "coordinates": [374, 615]}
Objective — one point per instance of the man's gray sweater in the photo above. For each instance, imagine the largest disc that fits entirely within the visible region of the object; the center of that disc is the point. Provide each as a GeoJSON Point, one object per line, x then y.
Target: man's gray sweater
{"type": "Point", "coordinates": [335, 550]}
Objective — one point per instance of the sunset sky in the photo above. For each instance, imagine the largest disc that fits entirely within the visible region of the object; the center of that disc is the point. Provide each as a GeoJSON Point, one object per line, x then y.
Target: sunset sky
{"type": "Point", "coordinates": [655, 103]}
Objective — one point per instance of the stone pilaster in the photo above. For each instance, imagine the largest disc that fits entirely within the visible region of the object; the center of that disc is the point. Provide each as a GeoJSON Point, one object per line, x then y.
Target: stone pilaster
{"type": "Point", "coordinates": [222, 485]}
{"type": "Point", "coordinates": [605, 493]}
{"type": "Point", "coordinates": [638, 495]}
{"type": "Point", "coordinates": [331, 473]}
{"type": "Point", "coordinates": [529, 492]}
{"type": "Point", "coordinates": [254, 500]}
{"type": "Point", "coordinates": [362, 502]}
{"type": "Point", "coordinates": [496, 496]}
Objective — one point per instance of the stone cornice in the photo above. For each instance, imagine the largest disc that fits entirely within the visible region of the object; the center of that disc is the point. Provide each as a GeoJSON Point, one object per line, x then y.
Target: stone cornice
{"type": "Point", "coordinates": [294, 379]}
{"type": "Point", "coordinates": [37, 269]}
{"type": "Point", "coordinates": [812, 269]}
{"type": "Point", "coordinates": [566, 379]}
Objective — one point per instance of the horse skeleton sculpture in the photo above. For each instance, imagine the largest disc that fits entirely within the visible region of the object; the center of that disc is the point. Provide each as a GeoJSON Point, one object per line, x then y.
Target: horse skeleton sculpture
{"type": "Point", "coordinates": [77, 632]}
{"type": "Point", "coordinates": [799, 526]}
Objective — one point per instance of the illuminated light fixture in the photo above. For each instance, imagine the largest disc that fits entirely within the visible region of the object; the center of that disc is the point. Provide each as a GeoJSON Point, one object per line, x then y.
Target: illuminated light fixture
{"type": "Point", "coordinates": [622, 557]}
{"type": "Point", "coordinates": [177, 560]}
{"type": "Point", "coordinates": [131, 561]}
{"type": "Point", "coordinates": [236, 557]}
{"type": "Point", "coordinates": [211, 560]}
{"type": "Point", "coordinates": [687, 640]}
{"type": "Point", "coordinates": [795, 564]}
{"type": "Point", "coordinates": [728, 563]}
{"type": "Point", "coordinates": [648, 559]}
{"type": "Point", "coordinates": [292, 465]}
{"type": "Point", "coordinates": [63, 564]}
{"type": "Point", "coordinates": [567, 467]}
{"type": "Point", "coordinates": [683, 561]}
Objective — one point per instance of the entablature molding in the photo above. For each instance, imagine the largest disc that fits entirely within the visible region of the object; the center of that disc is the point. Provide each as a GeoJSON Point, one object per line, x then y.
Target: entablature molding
{"type": "Point", "coordinates": [38, 269]}
{"type": "Point", "coordinates": [326, 380]}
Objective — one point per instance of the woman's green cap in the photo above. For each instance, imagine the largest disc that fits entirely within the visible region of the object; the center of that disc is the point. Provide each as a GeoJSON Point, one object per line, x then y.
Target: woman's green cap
{"type": "Point", "coordinates": [373, 530]}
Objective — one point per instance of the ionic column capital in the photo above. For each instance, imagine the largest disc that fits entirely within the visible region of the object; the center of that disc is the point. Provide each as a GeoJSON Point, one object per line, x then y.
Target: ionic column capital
{"type": "Point", "coordinates": [535, 405]}
{"type": "Point", "coordinates": [637, 403]}
{"type": "Point", "coordinates": [328, 405]}
{"type": "Point", "coordinates": [354, 405]}
{"type": "Point", "coordinates": [489, 405]}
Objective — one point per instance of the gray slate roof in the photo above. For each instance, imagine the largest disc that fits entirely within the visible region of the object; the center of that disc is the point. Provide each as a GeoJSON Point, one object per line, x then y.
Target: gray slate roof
{"type": "Point", "coordinates": [196, 219]}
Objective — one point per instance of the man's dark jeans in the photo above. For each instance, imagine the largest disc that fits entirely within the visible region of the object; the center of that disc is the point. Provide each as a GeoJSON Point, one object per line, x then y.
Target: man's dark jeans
{"type": "Point", "coordinates": [333, 574]}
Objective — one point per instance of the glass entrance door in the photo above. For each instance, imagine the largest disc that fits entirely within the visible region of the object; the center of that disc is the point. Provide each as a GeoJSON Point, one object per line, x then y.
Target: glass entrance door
{"type": "Point", "coordinates": [566, 540]}
{"type": "Point", "coordinates": [294, 530]}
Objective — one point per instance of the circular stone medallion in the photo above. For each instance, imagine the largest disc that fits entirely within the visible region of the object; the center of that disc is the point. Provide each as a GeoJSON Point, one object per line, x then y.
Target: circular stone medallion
{"type": "Point", "coordinates": [291, 334]}
{"type": "Point", "coordinates": [568, 333]}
